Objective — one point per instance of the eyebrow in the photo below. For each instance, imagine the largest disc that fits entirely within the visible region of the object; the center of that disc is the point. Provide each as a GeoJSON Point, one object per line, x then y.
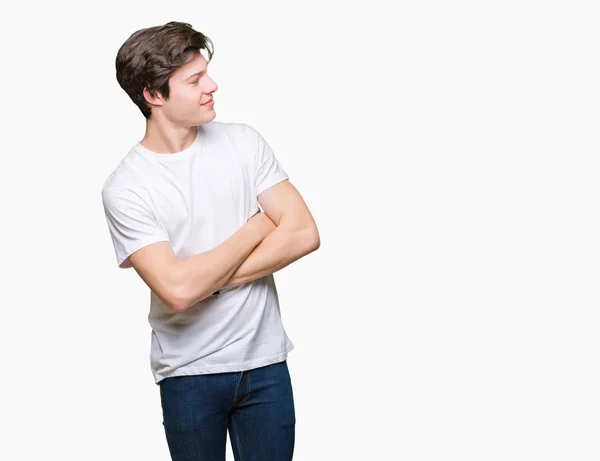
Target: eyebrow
{"type": "Point", "coordinates": [193, 75]}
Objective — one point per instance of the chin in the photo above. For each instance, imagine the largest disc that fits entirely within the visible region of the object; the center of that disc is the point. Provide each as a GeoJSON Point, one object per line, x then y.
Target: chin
{"type": "Point", "coordinates": [210, 116]}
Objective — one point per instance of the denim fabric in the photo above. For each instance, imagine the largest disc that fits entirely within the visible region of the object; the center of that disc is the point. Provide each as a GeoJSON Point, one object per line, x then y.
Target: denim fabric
{"type": "Point", "coordinates": [256, 406]}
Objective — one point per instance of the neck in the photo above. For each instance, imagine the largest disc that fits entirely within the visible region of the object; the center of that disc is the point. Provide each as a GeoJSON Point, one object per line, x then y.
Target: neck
{"type": "Point", "coordinates": [167, 138]}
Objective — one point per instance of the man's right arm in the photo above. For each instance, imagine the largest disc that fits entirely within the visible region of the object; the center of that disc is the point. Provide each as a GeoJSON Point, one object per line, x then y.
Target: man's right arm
{"type": "Point", "coordinates": [182, 283]}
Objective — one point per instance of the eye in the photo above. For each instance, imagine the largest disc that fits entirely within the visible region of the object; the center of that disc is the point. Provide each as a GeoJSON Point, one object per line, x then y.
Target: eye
{"type": "Point", "coordinates": [195, 81]}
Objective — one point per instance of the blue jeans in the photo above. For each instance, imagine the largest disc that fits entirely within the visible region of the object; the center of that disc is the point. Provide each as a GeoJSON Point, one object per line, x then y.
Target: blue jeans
{"type": "Point", "coordinates": [257, 406]}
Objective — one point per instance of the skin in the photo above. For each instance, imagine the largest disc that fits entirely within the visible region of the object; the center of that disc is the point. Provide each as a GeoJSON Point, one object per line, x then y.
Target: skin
{"type": "Point", "coordinates": [171, 127]}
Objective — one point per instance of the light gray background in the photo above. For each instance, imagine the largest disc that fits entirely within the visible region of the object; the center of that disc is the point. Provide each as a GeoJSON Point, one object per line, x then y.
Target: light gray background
{"type": "Point", "coordinates": [449, 154]}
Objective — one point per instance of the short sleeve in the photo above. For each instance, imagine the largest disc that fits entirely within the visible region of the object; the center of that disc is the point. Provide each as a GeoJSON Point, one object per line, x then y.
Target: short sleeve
{"type": "Point", "coordinates": [268, 169]}
{"type": "Point", "coordinates": [131, 223]}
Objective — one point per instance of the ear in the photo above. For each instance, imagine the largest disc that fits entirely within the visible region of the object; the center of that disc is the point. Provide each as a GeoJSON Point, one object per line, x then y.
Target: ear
{"type": "Point", "coordinates": [153, 98]}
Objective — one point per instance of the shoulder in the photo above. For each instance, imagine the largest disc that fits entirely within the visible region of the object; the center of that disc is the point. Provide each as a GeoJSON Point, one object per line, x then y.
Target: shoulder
{"type": "Point", "coordinates": [241, 137]}
{"type": "Point", "coordinates": [133, 171]}
{"type": "Point", "coordinates": [126, 184]}
{"type": "Point", "coordinates": [117, 196]}
{"type": "Point", "coordinates": [232, 130]}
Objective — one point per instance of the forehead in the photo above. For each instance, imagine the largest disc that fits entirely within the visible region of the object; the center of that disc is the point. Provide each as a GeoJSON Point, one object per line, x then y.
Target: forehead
{"type": "Point", "coordinates": [197, 63]}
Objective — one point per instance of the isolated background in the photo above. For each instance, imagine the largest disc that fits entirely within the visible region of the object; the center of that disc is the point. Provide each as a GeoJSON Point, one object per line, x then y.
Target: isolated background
{"type": "Point", "coordinates": [449, 154]}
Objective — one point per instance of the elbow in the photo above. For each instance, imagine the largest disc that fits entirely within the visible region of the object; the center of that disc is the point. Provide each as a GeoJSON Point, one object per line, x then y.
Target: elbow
{"type": "Point", "coordinates": [173, 299]}
{"type": "Point", "coordinates": [316, 242]}
{"type": "Point", "coordinates": [170, 300]}
{"type": "Point", "coordinates": [182, 298]}
{"type": "Point", "coordinates": [303, 233]}
{"type": "Point", "coordinates": [178, 303]}
{"type": "Point", "coordinates": [174, 292]}
{"type": "Point", "coordinates": [311, 240]}
{"type": "Point", "coordinates": [172, 286]}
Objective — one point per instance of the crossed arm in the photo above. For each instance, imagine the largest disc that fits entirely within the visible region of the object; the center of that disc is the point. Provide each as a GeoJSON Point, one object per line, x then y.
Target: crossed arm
{"type": "Point", "coordinates": [295, 236]}
{"type": "Point", "coordinates": [242, 258]}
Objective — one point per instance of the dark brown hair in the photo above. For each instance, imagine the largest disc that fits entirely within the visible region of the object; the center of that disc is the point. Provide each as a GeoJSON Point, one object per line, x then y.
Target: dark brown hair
{"type": "Point", "coordinates": [150, 56]}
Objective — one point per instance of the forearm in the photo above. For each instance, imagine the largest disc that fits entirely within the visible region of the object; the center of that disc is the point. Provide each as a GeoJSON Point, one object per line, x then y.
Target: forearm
{"type": "Point", "coordinates": [280, 248]}
{"type": "Point", "coordinates": [200, 275]}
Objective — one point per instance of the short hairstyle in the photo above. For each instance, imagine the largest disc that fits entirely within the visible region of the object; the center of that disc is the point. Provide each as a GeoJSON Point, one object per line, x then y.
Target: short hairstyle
{"type": "Point", "coordinates": [150, 56]}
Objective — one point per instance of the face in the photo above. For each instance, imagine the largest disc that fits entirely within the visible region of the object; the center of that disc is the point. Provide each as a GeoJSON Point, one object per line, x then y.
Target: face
{"type": "Point", "coordinates": [190, 89]}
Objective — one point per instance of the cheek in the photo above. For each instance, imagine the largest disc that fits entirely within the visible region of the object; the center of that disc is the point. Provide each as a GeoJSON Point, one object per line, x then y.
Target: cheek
{"type": "Point", "coordinates": [176, 98]}
{"type": "Point", "coordinates": [184, 95]}
{"type": "Point", "coordinates": [183, 100]}
{"type": "Point", "coordinates": [192, 96]}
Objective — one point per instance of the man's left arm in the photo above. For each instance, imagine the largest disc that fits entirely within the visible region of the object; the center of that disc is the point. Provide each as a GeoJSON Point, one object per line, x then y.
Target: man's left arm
{"type": "Point", "coordinates": [295, 236]}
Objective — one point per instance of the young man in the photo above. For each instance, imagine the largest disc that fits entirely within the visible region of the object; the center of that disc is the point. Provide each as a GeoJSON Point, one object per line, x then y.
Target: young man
{"type": "Point", "coordinates": [182, 208]}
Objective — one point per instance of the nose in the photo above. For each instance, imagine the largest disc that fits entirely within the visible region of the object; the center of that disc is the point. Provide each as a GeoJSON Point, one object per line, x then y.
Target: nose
{"type": "Point", "coordinates": [213, 86]}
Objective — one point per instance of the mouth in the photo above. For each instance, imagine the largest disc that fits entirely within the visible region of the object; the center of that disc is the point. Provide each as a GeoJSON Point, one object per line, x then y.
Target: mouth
{"type": "Point", "coordinates": [207, 102]}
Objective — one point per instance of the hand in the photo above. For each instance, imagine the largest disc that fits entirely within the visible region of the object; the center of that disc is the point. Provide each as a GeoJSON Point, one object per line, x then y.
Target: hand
{"type": "Point", "coordinates": [262, 224]}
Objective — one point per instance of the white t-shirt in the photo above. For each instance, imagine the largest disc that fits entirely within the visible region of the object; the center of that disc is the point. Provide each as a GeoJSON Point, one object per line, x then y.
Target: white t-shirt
{"type": "Point", "coordinates": [196, 199]}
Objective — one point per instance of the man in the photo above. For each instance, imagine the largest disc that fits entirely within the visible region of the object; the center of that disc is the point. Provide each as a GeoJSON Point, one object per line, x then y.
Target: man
{"type": "Point", "coordinates": [182, 208]}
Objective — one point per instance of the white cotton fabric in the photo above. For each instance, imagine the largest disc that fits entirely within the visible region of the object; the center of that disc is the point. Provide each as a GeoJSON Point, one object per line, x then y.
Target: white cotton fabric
{"type": "Point", "coordinates": [196, 199]}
